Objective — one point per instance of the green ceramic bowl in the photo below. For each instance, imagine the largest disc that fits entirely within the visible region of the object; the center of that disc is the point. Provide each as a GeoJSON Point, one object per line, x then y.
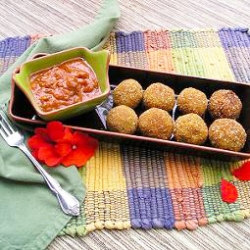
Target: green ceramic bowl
{"type": "Point", "coordinates": [99, 61]}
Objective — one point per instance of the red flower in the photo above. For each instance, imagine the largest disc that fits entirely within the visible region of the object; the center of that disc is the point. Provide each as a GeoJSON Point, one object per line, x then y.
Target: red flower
{"type": "Point", "coordinates": [55, 144]}
{"type": "Point", "coordinates": [229, 192]}
{"type": "Point", "coordinates": [243, 172]}
{"type": "Point", "coordinates": [76, 148]}
{"type": "Point", "coordinates": [43, 142]}
{"type": "Point", "coordinates": [49, 156]}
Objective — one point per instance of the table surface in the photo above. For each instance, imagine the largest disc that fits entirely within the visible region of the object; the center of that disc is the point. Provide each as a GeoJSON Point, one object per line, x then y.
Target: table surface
{"type": "Point", "coordinates": [49, 17]}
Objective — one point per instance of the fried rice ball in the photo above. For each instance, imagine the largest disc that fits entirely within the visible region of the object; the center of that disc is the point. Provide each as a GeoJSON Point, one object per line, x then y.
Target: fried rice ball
{"type": "Point", "coordinates": [158, 95]}
{"type": "Point", "coordinates": [156, 123]}
{"type": "Point", "coordinates": [192, 100]}
{"type": "Point", "coordinates": [129, 93]}
{"type": "Point", "coordinates": [122, 119]}
{"type": "Point", "coordinates": [191, 128]}
{"type": "Point", "coordinates": [227, 134]}
{"type": "Point", "coordinates": [224, 104]}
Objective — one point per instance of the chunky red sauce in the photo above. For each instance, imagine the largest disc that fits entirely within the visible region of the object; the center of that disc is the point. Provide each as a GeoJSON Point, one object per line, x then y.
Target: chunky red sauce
{"type": "Point", "coordinates": [62, 85]}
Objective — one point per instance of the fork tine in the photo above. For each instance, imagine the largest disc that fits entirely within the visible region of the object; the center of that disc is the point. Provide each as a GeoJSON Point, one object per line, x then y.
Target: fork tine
{"type": "Point", "coordinates": [5, 128]}
{"type": "Point", "coordinates": [3, 134]}
{"type": "Point", "coordinates": [6, 121]}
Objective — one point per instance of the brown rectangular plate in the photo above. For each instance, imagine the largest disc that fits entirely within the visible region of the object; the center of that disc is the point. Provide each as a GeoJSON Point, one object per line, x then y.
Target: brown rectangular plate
{"type": "Point", "coordinates": [93, 122]}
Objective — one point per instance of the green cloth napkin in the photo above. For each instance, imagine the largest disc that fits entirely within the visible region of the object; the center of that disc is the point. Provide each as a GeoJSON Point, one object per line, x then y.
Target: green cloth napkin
{"type": "Point", "coordinates": [30, 215]}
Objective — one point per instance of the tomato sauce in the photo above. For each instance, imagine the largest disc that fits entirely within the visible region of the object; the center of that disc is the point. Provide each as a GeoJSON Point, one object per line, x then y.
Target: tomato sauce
{"type": "Point", "coordinates": [62, 85]}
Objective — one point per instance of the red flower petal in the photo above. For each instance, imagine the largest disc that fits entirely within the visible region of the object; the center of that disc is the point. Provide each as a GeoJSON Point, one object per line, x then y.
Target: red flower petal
{"type": "Point", "coordinates": [88, 151]}
{"type": "Point", "coordinates": [78, 157]}
{"type": "Point", "coordinates": [42, 132]}
{"type": "Point", "coordinates": [63, 149]}
{"type": "Point", "coordinates": [55, 130]}
{"type": "Point", "coordinates": [85, 149]}
{"type": "Point", "coordinates": [35, 154]}
{"type": "Point", "coordinates": [36, 141]}
{"type": "Point", "coordinates": [53, 162]}
{"type": "Point", "coordinates": [49, 156]}
{"type": "Point", "coordinates": [229, 192]}
{"type": "Point", "coordinates": [243, 172]}
{"type": "Point", "coordinates": [68, 136]}
{"type": "Point", "coordinates": [84, 140]}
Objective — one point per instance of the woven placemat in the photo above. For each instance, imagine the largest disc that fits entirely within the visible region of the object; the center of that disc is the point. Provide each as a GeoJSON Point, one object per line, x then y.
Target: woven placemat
{"type": "Point", "coordinates": [128, 186]}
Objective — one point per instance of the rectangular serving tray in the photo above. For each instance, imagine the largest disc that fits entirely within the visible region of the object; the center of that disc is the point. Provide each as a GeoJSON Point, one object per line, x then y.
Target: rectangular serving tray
{"type": "Point", "coordinates": [93, 123]}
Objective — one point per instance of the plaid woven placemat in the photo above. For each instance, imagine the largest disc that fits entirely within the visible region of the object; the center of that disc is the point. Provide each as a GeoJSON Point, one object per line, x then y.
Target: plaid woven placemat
{"type": "Point", "coordinates": [128, 186]}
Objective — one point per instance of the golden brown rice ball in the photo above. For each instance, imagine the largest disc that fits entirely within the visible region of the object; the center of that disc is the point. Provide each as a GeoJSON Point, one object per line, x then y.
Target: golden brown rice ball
{"type": "Point", "coordinates": [158, 95]}
{"type": "Point", "coordinates": [191, 128]}
{"type": "Point", "coordinates": [156, 123]}
{"type": "Point", "coordinates": [192, 100]}
{"type": "Point", "coordinates": [227, 134]}
{"type": "Point", "coordinates": [129, 93]}
{"type": "Point", "coordinates": [122, 119]}
{"type": "Point", "coordinates": [224, 104]}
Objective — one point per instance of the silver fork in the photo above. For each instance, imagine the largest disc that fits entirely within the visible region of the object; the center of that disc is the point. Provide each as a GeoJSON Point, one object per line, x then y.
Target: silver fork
{"type": "Point", "coordinates": [69, 204]}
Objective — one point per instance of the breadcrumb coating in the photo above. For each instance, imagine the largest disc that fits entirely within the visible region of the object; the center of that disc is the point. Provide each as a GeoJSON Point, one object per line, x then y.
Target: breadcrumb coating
{"type": "Point", "coordinates": [156, 123]}
{"type": "Point", "coordinates": [224, 104]}
{"type": "Point", "coordinates": [129, 93]}
{"type": "Point", "coordinates": [227, 134]}
{"type": "Point", "coordinates": [122, 119]}
{"type": "Point", "coordinates": [191, 128]}
{"type": "Point", "coordinates": [192, 100]}
{"type": "Point", "coordinates": [158, 95]}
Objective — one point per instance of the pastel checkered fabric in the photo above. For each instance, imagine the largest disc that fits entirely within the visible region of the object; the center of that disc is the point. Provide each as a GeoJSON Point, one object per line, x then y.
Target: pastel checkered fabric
{"type": "Point", "coordinates": [128, 186]}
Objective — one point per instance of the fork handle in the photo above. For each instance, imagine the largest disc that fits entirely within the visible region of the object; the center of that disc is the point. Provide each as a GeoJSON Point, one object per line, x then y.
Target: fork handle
{"type": "Point", "coordinates": [69, 204]}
